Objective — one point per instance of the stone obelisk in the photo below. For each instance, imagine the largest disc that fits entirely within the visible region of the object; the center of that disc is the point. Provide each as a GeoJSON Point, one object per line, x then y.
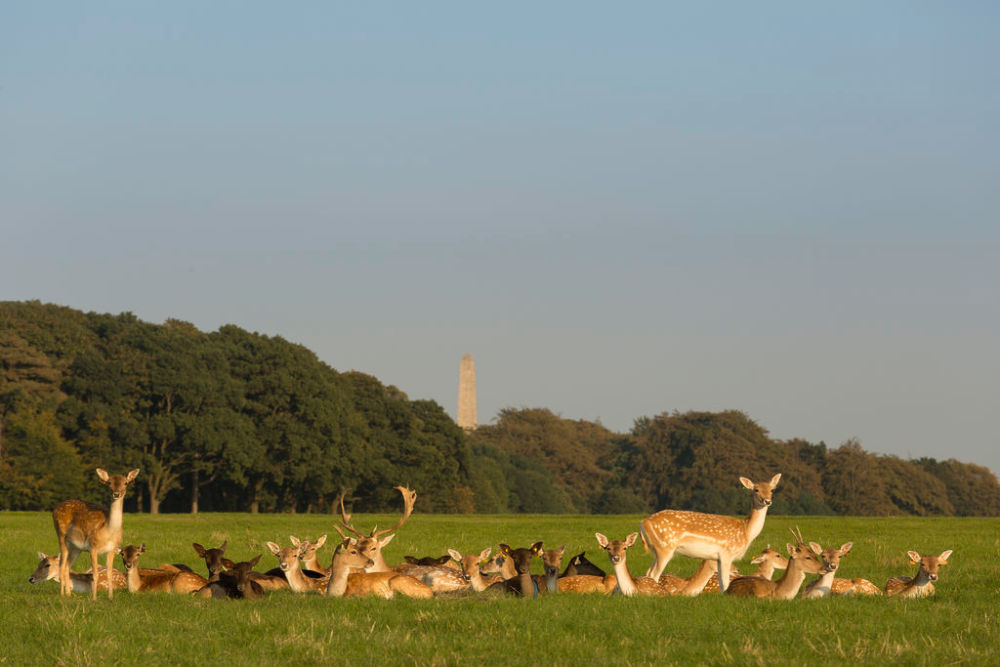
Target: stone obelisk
{"type": "Point", "coordinates": [467, 417]}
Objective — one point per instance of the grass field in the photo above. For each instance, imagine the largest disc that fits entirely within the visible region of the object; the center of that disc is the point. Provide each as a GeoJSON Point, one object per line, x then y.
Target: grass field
{"type": "Point", "coordinates": [961, 624]}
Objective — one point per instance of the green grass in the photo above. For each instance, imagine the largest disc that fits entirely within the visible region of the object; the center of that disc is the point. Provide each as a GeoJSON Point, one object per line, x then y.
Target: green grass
{"type": "Point", "coordinates": [959, 625]}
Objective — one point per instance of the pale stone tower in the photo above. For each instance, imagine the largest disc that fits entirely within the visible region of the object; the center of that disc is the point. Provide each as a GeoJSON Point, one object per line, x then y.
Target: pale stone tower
{"type": "Point", "coordinates": [467, 417]}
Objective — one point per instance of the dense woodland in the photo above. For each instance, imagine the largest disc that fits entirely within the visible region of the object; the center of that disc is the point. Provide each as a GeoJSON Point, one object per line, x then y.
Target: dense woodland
{"type": "Point", "coordinates": [237, 421]}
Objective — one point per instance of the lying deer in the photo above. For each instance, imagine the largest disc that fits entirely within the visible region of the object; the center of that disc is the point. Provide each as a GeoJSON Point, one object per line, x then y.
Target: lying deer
{"type": "Point", "coordinates": [237, 585]}
{"type": "Point", "coordinates": [48, 570]}
{"type": "Point", "coordinates": [579, 564]}
{"type": "Point", "coordinates": [288, 562]}
{"type": "Point", "coordinates": [624, 582]}
{"type": "Point", "coordinates": [345, 583]}
{"type": "Point", "coordinates": [830, 558]}
{"type": "Point", "coordinates": [921, 585]}
{"type": "Point", "coordinates": [551, 562]}
{"type": "Point", "coordinates": [469, 569]}
{"type": "Point", "coordinates": [801, 561]}
{"type": "Point", "coordinates": [522, 584]}
{"type": "Point", "coordinates": [153, 579]}
{"type": "Point", "coordinates": [310, 561]}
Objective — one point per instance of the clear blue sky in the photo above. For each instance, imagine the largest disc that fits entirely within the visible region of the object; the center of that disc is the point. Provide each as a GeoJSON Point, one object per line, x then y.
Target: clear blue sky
{"type": "Point", "coordinates": [620, 209]}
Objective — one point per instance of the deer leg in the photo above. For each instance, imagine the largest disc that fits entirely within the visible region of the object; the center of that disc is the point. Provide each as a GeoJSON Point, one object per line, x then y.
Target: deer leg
{"type": "Point", "coordinates": [725, 563]}
{"type": "Point", "coordinates": [93, 573]}
{"type": "Point", "coordinates": [111, 580]}
{"type": "Point", "coordinates": [660, 560]}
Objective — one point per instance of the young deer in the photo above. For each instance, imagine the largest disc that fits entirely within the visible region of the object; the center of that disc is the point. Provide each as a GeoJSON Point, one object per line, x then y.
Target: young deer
{"type": "Point", "coordinates": [722, 539]}
{"type": "Point", "coordinates": [164, 581]}
{"type": "Point", "coordinates": [551, 562]}
{"type": "Point", "coordinates": [469, 570]}
{"type": "Point", "coordinates": [236, 584]}
{"type": "Point", "coordinates": [831, 561]}
{"type": "Point", "coordinates": [213, 559]}
{"type": "Point", "coordinates": [344, 583]}
{"type": "Point", "coordinates": [625, 583]}
{"type": "Point", "coordinates": [309, 559]}
{"type": "Point", "coordinates": [856, 586]}
{"type": "Point", "coordinates": [801, 562]}
{"type": "Point", "coordinates": [522, 584]}
{"type": "Point", "coordinates": [48, 568]}
{"type": "Point", "coordinates": [288, 561]}
{"type": "Point", "coordinates": [82, 526]}
{"type": "Point", "coordinates": [921, 585]}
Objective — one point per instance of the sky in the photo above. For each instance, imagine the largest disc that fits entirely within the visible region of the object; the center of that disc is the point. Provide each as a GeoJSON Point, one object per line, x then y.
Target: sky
{"type": "Point", "coordinates": [619, 209]}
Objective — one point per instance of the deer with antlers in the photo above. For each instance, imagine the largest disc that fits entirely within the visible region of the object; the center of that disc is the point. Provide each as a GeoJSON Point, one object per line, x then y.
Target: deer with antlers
{"type": "Point", "coordinates": [82, 526]}
{"type": "Point", "coordinates": [922, 585]}
{"type": "Point", "coordinates": [371, 545]}
{"type": "Point", "coordinates": [344, 582]}
{"type": "Point", "coordinates": [801, 561]}
{"type": "Point", "coordinates": [714, 537]}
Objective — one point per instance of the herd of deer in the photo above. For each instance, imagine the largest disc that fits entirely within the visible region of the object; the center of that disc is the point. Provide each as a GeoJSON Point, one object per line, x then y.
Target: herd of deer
{"type": "Point", "coordinates": [359, 569]}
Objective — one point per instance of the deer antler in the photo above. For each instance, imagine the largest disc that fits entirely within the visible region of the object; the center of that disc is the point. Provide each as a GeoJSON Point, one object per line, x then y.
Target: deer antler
{"type": "Point", "coordinates": [409, 497]}
{"type": "Point", "coordinates": [345, 519]}
{"type": "Point", "coordinates": [797, 534]}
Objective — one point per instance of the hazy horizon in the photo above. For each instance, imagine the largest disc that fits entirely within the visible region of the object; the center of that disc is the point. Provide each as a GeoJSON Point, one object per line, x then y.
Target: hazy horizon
{"type": "Point", "coordinates": [781, 208]}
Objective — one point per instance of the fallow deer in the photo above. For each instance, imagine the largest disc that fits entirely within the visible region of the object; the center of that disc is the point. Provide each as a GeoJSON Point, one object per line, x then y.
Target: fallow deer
{"type": "Point", "coordinates": [626, 584]}
{"type": "Point", "coordinates": [579, 564]}
{"type": "Point", "coordinates": [921, 585]}
{"type": "Point", "coordinates": [469, 569]}
{"type": "Point", "coordinates": [522, 584]}
{"type": "Point", "coordinates": [272, 580]}
{"type": "Point", "coordinates": [48, 569]}
{"type": "Point", "coordinates": [767, 562]}
{"type": "Point", "coordinates": [82, 526]}
{"type": "Point", "coordinates": [722, 539]}
{"type": "Point", "coordinates": [704, 580]}
{"type": "Point", "coordinates": [213, 559]}
{"type": "Point", "coordinates": [498, 568]}
{"type": "Point", "coordinates": [801, 561]}
{"type": "Point", "coordinates": [159, 580]}
{"type": "Point", "coordinates": [345, 583]}
{"type": "Point", "coordinates": [830, 558]}
{"type": "Point", "coordinates": [856, 586]}
{"type": "Point", "coordinates": [430, 561]}
{"type": "Point", "coordinates": [311, 566]}
{"type": "Point", "coordinates": [237, 584]}
{"type": "Point", "coordinates": [371, 545]}
{"type": "Point", "coordinates": [551, 562]}
{"type": "Point", "coordinates": [288, 561]}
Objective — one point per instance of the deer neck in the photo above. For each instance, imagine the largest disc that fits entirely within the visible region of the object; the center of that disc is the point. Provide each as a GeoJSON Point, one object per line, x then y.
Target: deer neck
{"type": "Point", "coordinates": [626, 585]}
{"type": "Point", "coordinates": [552, 582]}
{"type": "Point", "coordinates": [922, 579]}
{"type": "Point", "coordinates": [755, 523]}
{"type": "Point", "coordinates": [527, 584]}
{"type": "Point", "coordinates": [765, 570]}
{"type": "Point", "coordinates": [821, 586]}
{"type": "Point", "coordinates": [337, 585]}
{"type": "Point", "coordinates": [379, 563]}
{"type": "Point", "coordinates": [790, 583]}
{"type": "Point", "coordinates": [115, 518]}
{"type": "Point", "coordinates": [132, 579]}
{"type": "Point", "coordinates": [296, 580]}
{"type": "Point", "coordinates": [476, 581]}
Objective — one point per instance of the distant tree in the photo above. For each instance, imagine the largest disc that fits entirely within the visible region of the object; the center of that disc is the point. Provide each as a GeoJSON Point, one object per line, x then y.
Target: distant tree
{"type": "Point", "coordinates": [973, 490]}
{"type": "Point", "coordinates": [27, 378]}
{"type": "Point", "coordinates": [41, 468]}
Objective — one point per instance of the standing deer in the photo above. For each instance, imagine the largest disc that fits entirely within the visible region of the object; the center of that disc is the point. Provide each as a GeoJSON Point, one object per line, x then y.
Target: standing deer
{"type": "Point", "coordinates": [722, 539]}
{"type": "Point", "coordinates": [921, 585]}
{"type": "Point", "coordinates": [625, 583]}
{"type": "Point", "coordinates": [830, 558]}
{"type": "Point", "coordinates": [164, 581]}
{"type": "Point", "coordinates": [82, 526]}
{"type": "Point", "coordinates": [48, 568]}
{"type": "Point", "coordinates": [801, 562]}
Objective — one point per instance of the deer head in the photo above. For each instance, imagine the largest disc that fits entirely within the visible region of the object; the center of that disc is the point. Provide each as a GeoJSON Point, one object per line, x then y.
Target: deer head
{"type": "Point", "coordinates": [213, 559]}
{"type": "Point", "coordinates": [929, 565]}
{"type": "Point", "coordinates": [830, 557]}
{"type": "Point", "coordinates": [371, 545]}
{"type": "Point", "coordinates": [522, 557]}
{"type": "Point", "coordinates": [118, 483]}
{"type": "Point", "coordinates": [762, 491]}
{"type": "Point", "coordinates": [616, 548]}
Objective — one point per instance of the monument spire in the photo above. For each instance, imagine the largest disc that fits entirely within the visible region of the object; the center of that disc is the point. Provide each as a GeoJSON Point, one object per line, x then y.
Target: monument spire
{"type": "Point", "coordinates": [467, 417]}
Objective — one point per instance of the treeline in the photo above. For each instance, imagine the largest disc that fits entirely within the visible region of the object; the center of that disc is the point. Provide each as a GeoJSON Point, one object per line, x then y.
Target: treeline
{"type": "Point", "coordinates": [237, 421]}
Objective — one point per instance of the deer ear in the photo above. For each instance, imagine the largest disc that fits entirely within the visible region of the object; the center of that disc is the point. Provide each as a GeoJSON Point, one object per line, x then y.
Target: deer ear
{"type": "Point", "coordinates": [295, 541]}
{"type": "Point", "coordinates": [485, 554]}
{"type": "Point", "coordinates": [537, 547]}
{"type": "Point", "coordinates": [44, 556]}
{"type": "Point", "coordinates": [914, 557]}
{"type": "Point", "coordinates": [602, 540]}
{"type": "Point", "coordinates": [504, 549]}
{"type": "Point", "coordinates": [275, 549]}
{"type": "Point", "coordinates": [142, 548]}
{"type": "Point", "coordinates": [775, 480]}
{"type": "Point", "coordinates": [817, 549]}
{"type": "Point", "coordinates": [455, 555]}
{"type": "Point", "coordinates": [254, 562]}
{"type": "Point", "coordinates": [198, 549]}
{"type": "Point", "coordinates": [102, 474]}
{"type": "Point", "coordinates": [846, 547]}
{"type": "Point", "coordinates": [321, 541]}
{"type": "Point", "coordinates": [791, 549]}
{"type": "Point", "coordinates": [223, 547]}
{"type": "Point", "coordinates": [386, 540]}
{"type": "Point", "coordinates": [131, 475]}
{"type": "Point", "coordinates": [630, 540]}
{"type": "Point", "coordinates": [746, 482]}
{"type": "Point", "coordinates": [943, 558]}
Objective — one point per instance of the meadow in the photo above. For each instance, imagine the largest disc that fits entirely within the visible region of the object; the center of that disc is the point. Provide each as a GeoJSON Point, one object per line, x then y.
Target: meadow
{"type": "Point", "coordinates": [961, 624]}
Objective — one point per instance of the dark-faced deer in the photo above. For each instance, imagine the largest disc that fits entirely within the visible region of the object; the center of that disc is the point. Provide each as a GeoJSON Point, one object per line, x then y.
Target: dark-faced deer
{"type": "Point", "coordinates": [801, 561]}
{"type": "Point", "coordinates": [147, 579]}
{"type": "Point", "coordinates": [722, 539]}
{"type": "Point", "coordinates": [579, 564]}
{"type": "Point", "coordinates": [922, 585]}
{"type": "Point", "coordinates": [522, 584]}
{"type": "Point", "coordinates": [237, 585]}
{"type": "Point", "coordinates": [82, 526]}
{"type": "Point", "coordinates": [48, 569]}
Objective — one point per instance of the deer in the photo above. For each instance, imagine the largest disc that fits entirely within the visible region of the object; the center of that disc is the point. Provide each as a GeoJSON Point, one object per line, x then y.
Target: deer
{"type": "Point", "coordinates": [522, 584]}
{"type": "Point", "coordinates": [704, 580]}
{"type": "Point", "coordinates": [468, 568]}
{"type": "Point", "coordinates": [237, 585]}
{"type": "Point", "coordinates": [82, 526]}
{"type": "Point", "coordinates": [722, 539]}
{"type": "Point", "coordinates": [551, 562]}
{"type": "Point", "coordinates": [371, 545]}
{"type": "Point", "coordinates": [801, 561]}
{"type": "Point", "coordinates": [308, 559]}
{"type": "Point", "coordinates": [288, 561]}
{"type": "Point", "coordinates": [830, 558]}
{"type": "Point", "coordinates": [625, 584]}
{"type": "Point", "coordinates": [922, 585]}
{"type": "Point", "coordinates": [498, 568]}
{"type": "Point", "coordinates": [579, 564]}
{"type": "Point", "coordinates": [48, 569]}
{"type": "Point", "coordinates": [165, 581]}
{"type": "Point", "coordinates": [272, 580]}
{"type": "Point", "coordinates": [767, 562]}
{"type": "Point", "coordinates": [345, 583]}
{"type": "Point", "coordinates": [431, 561]}
{"type": "Point", "coordinates": [856, 586]}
